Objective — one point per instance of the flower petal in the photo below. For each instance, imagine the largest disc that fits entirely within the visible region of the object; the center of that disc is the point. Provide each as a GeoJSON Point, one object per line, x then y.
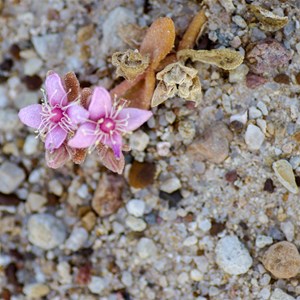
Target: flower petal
{"type": "Point", "coordinates": [84, 136]}
{"type": "Point", "coordinates": [58, 157]}
{"type": "Point", "coordinates": [77, 114]}
{"type": "Point", "coordinates": [31, 115]}
{"type": "Point", "coordinates": [100, 105]}
{"type": "Point", "coordinates": [136, 117]}
{"type": "Point", "coordinates": [55, 90]}
{"type": "Point", "coordinates": [115, 143]}
{"type": "Point", "coordinates": [55, 138]}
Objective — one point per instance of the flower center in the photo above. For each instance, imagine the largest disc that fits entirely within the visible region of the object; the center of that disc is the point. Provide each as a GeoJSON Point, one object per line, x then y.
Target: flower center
{"type": "Point", "coordinates": [57, 114]}
{"type": "Point", "coordinates": [107, 125]}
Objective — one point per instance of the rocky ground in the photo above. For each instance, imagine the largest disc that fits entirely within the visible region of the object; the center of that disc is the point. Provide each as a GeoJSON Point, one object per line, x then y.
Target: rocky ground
{"type": "Point", "coordinates": [211, 200]}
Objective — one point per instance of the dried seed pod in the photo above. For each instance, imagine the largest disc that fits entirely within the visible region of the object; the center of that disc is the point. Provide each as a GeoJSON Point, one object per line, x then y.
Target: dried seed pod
{"type": "Point", "coordinates": [224, 58]}
{"type": "Point", "coordinates": [269, 21]}
{"type": "Point", "coordinates": [72, 86]}
{"type": "Point", "coordinates": [282, 260]}
{"type": "Point", "coordinates": [177, 79]}
{"type": "Point", "coordinates": [285, 175]}
{"type": "Point", "coordinates": [130, 63]}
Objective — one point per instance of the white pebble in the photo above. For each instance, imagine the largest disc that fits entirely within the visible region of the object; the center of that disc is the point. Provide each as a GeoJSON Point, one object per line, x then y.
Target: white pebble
{"type": "Point", "coordinates": [279, 294]}
{"type": "Point", "coordinates": [262, 106]}
{"type": "Point", "coordinates": [196, 275]}
{"type": "Point", "coordinates": [136, 207]}
{"type": "Point", "coordinates": [242, 118]}
{"type": "Point", "coordinates": [183, 278]}
{"type": "Point", "coordinates": [55, 187]}
{"type": "Point", "coordinates": [135, 224]}
{"type": "Point", "coordinates": [163, 148]}
{"type": "Point", "coordinates": [254, 137]}
{"type": "Point", "coordinates": [139, 140]}
{"type": "Point", "coordinates": [77, 239]}
{"type": "Point", "coordinates": [126, 278]}
{"type": "Point", "coordinates": [46, 231]}
{"type": "Point", "coordinates": [288, 230]}
{"type": "Point", "coordinates": [170, 185]}
{"type": "Point", "coordinates": [31, 145]}
{"type": "Point", "coordinates": [254, 113]}
{"type": "Point", "coordinates": [190, 241]}
{"type": "Point", "coordinates": [146, 248]}
{"type": "Point", "coordinates": [11, 177]}
{"type": "Point", "coordinates": [232, 256]}
{"type": "Point", "coordinates": [36, 290]}
{"type": "Point", "coordinates": [32, 66]}
{"type": "Point", "coordinates": [64, 272]}
{"type": "Point", "coordinates": [204, 225]}
{"type": "Point", "coordinates": [96, 285]}
{"type": "Point", "coordinates": [35, 201]}
{"type": "Point", "coordinates": [263, 240]}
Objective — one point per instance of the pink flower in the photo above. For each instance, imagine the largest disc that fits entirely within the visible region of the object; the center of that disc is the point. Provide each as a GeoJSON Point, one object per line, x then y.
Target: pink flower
{"type": "Point", "coordinates": [107, 123]}
{"type": "Point", "coordinates": [56, 117]}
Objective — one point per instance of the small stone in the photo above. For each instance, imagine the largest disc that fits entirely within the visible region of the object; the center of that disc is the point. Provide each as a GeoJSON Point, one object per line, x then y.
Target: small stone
{"type": "Point", "coordinates": [282, 78]}
{"type": "Point", "coordinates": [46, 231]}
{"type": "Point", "coordinates": [170, 185]}
{"type": "Point", "coordinates": [64, 272]}
{"type": "Point", "coordinates": [47, 46]}
{"type": "Point", "coordinates": [33, 82]}
{"type": "Point", "coordinates": [204, 225]}
{"type": "Point", "coordinates": [141, 174]}
{"type": "Point", "coordinates": [85, 33]}
{"type": "Point", "coordinates": [187, 130]}
{"type": "Point", "coordinates": [263, 108]}
{"type": "Point", "coordinates": [127, 278]}
{"type": "Point", "coordinates": [288, 229]}
{"type": "Point", "coordinates": [163, 148]}
{"type": "Point", "coordinates": [231, 176]}
{"type": "Point", "coordinates": [11, 177]}
{"type": "Point", "coordinates": [285, 175]}
{"type": "Point", "coordinates": [55, 187]}
{"type": "Point", "coordinates": [242, 118]}
{"type": "Point", "coordinates": [282, 260]}
{"type": "Point", "coordinates": [136, 207]}
{"type": "Point", "coordinates": [196, 275]}
{"type": "Point", "coordinates": [254, 113]}
{"type": "Point", "coordinates": [190, 241]}
{"type": "Point", "coordinates": [232, 256]}
{"type": "Point", "coordinates": [77, 239]}
{"type": "Point", "coordinates": [97, 285]}
{"type": "Point", "coordinates": [279, 294]}
{"type": "Point", "coordinates": [36, 201]}
{"type": "Point", "coordinates": [108, 195]}
{"type": "Point", "coordinates": [36, 290]}
{"type": "Point", "coordinates": [214, 146]}
{"type": "Point", "coordinates": [139, 140]}
{"type": "Point", "coordinates": [183, 278]}
{"type": "Point", "coordinates": [89, 221]}
{"type": "Point", "coordinates": [31, 145]}
{"type": "Point", "coordinates": [9, 120]}
{"type": "Point", "coordinates": [32, 66]}
{"type": "Point", "coordinates": [263, 240]}
{"type": "Point", "coordinates": [146, 248]}
{"type": "Point", "coordinates": [269, 186]}
{"type": "Point", "coordinates": [135, 224]}
{"type": "Point", "coordinates": [254, 137]}
{"type": "Point", "coordinates": [253, 81]}
{"type": "Point", "coordinates": [238, 74]}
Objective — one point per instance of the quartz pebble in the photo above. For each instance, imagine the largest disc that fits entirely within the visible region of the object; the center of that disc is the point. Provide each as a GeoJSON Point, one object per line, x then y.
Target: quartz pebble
{"type": "Point", "coordinates": [139, 140]}
{"type": "Point", "coordinates": [254, 113]}
{"type": "Point", "coordinates": [196, 275]}
{"type": "Point", "coordinates": [11, 177]}
{"type": "Point", "coordinates": [285, 175]}
{"type": "Point", "coordinates": [288, 230]}
{"type": "Point", "coordinates": [36, 201]}
{"type": "Point", "coordinates": [146, 248]}
{"type": "Point", "coordinates": [77, 239]}
{"type": "Point", "coordinates": [279, 294]}
{"type": "Point", "coordinates": [232, 256]}
{"type": "Point", "coordinates": [135, 224]}
{"type": "Point", "coordinates": [282, 260]}
{"type": "Point", "coordinates": [31, 145]}
{"type": "Point", "coordinates": [127, 278]}
{"type": "Point", "coordinates": [36, 290]}
{"type": "Point", "coordinates": [32, 66]}
{"type": "Point", "coordinates": [96, 285]}
{"type": "Point", "coordinates": [254, 137]}
{"type": "Point", "coordinates": [47, 46]}
{"type": "Point", "coordinates": [263, 240]}
{"type": "Point", "coordinates": [170, 185]}
{"type": "Point", "coordinates": [46, 231]}
{"type": "Point", "coordinates": [136, 207]}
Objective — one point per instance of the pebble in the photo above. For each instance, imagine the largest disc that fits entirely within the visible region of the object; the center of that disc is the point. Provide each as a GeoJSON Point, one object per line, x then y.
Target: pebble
{"type": "Point", "coordinates": [170, 185]}
{"type": "Point", "coordinates": [89, 220]}
{"type": "Point", "coordinates": [146, 248]}
{"type": "Point", "coordinates": [11, 177]}
{"type": "Point", "coordinates": [238, 20]}
{"type": "Point", "coordinates": [36, 201]}
{"type": "Point", "coordinates": [139, 140]}
{"type": "Point", "coordinates": [46, 231]}
{"type": "Point", "coordinates": [36, 290]}
{"type": "Point", "coordinates": [196, 275]}
{"type": "Point", "coordinates": [238, 74]}
{"type": "Point", "coordinates": [254, 137]}
{"type": "Point", "coordinates": [55, 187]}
{"type": "Point", "coordinates": [254, 113]}
{"type": "Point", "coordinates": [262, 106]}
{"type": "Point", "coordinates": [136, 207]}
{"type": "Point", "coordinates": [242, 118]}
{"type": "Point", "coordinates": [32, 66]}
{"type": "Point", "coordinates": [9, 120]}
{"type": "Point", "coordinates": [47, 46]}
{"type": "Point", "coordinates": [127, 278]}
{"type": "Point", "coordinates": [77, 239]}
{"type": "Point", "coordinates": [288, 230]}
{"type": "Point", "coordinates": [279, 294]}
{"type": "Point", "coordinates": [232, 256]}
{"type": "Point", "coordinates": [31, 145]}
{"type": "Point", "coordinates": [204, 225]}
{"type": "Point", "coordinates": [282, 260]}
{"type": "Point", "coordinates": [284, 172]}
{"type": "Point", "coordinates": [190, 241]}
{"type": "Point", "coordinates": [263, 240]}
{"type": "Point", "coordinates": [135, 224]}
{"type": "Point", "coordinates": [163, 148]}
{"type": "Point", "coordinates": [213, 146]}
{"type": "Point", "coordinates": [97, 285]}
{"type": "Point", "coordinates": [64, 272]}
{"type": "Point", "coordinates": [117, 18]}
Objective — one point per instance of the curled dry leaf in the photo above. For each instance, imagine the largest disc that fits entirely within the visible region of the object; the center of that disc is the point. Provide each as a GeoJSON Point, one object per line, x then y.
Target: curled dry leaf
{"type": "Point", "coordinates": [130, 63]}
{"type": "Point", "coordinates": [158, 42]}
{"type": "Point", "coordinates": [224, 58]}
{"type": "Point", "coordinates": [177, 79]}
{"type": "Point", "coordinates": [57, 158]}
{"type": "Point", "coordinates": [269, 21]}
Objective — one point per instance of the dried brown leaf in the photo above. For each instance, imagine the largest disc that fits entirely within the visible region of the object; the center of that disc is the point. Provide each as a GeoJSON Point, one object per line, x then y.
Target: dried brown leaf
{"type": "Point", "coordinates": [79, 155]}
{"type": "Point", "coordinates": [72, 86]}
{"type": "Point", "coordinates": [269, 21]}
{"type": "Point", "coordinates": [193, 31]}
{"type": "Point", "coordinates": [130, 63]}
{"type": "Point", "coordinates": [224, 58]}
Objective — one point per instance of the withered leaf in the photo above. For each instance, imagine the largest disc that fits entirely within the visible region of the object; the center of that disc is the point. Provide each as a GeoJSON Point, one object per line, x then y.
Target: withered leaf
{"type": "Point", "coordinates": [132, 34]}
{"type": "Point", "coordinates": [269, 21]}
{"type": "Point", "coordinates": [130, 63]}
{"type": "Point", "coordinates": [224, 58]}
